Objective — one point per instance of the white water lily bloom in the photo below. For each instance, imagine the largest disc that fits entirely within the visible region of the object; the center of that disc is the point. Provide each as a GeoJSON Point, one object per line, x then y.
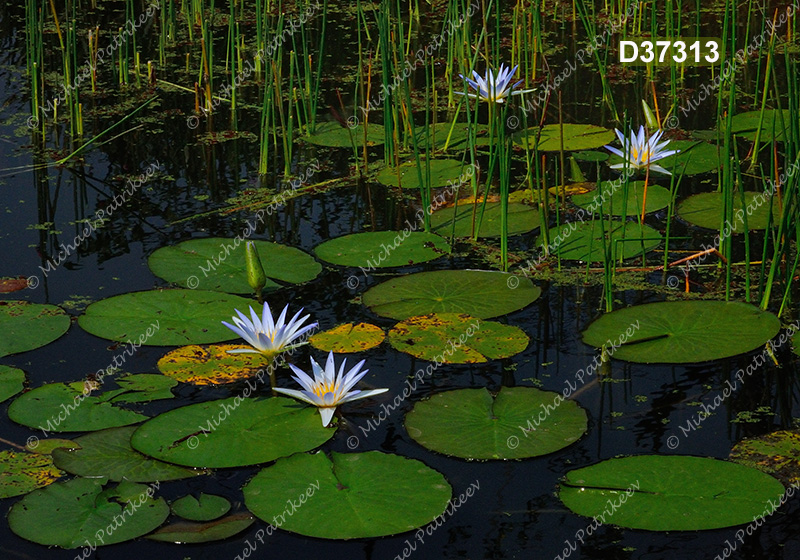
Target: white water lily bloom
{"type": "Point", "coordinates": [266, 336]}
{"type": "Point", "coordinates": [641, 153]}
{"type": "Point", "coordinates": [329, 388]}
{"type": "Point", "coordinates": [494, 89]}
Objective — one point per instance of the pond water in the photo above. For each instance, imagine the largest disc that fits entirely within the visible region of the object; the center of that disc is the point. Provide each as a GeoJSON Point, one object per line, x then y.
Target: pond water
{"type": "Point", "coordinates": [514, 510]}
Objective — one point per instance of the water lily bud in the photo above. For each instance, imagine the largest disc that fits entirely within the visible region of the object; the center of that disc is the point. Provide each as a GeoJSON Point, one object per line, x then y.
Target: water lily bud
{"type": "Point", "coordinates": [256, 276]}
{"type": "Point", "coordinates": [649, 117]}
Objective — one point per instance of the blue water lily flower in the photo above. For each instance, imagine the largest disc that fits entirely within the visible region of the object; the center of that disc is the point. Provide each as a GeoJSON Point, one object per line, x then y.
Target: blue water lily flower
{"type": "Point", "coordinates": [494, 89]}
{"type": "Point", "coordinates": [329, 388]}
{"type": "Point", "coordinates": [266, 336]}
{"type": "Point", "coordinates": [641, 153]}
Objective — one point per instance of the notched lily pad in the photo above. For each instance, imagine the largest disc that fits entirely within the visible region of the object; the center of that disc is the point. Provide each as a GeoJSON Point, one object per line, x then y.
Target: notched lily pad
{"type": "Point", "coordinates": [164, 317]}
{"type": "Point", "coordinates": [334, 135]}
{"type": "Point", "coordinates": [670, 493]}
{"type": "Point", "coordinates": [27, 326]}
{"type": "Point", "coordinates": [610, 197]}
{"type": "Point", "coordinates": [435, 173]}
{"type": "Point", "coordinates": [232, 432]}
{"type": "Point", "coordinates": [108, 453]}
{"type": "Point", "coordinates": [516, 423]}
{"type": "Point", "coordinates": [79, 511]}
{"type": "Point", "coordinates": [706, 210]}
{"type": "Point", "coordinates": [583, 241]}
{"type": "Point", "coordinates": [348, 338]}
{"type": "Point", "coordinates": [22, 472]}
{"type": "Point", "coordinates": [576, 137]}
{"type": "Point", "coordinates": [474, 341]}
{"type": "Point", "coordinates": [680, 332]}
{"type": "Point", "coordinates": [218, 264]}
{"type": "Point", "coordinates": [522, 218]}
{"type": "Point", "coordinates": [360, 490]}
{"type": "Point", "coordinates": [479, 293]}
{"type": "Point", "coordinates": [220, 529]}
{"type": "Point", "coordinates": [382, 249]}
{"type": "Point", "coordinates": [205, 508]}
{"type": "Point", "coordinates": [210, 365]}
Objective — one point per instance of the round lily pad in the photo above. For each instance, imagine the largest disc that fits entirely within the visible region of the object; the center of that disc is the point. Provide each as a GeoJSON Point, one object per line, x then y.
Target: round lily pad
{"type": "Point", "coordinates": [12, 381]}
{"type": "Point", "coordinates": [776, 453]}
{"type": "Point", "coordinates": [218, 264]}
{"type": "Point", "coordinates": [583, 241]}
{"type": "Point", "coordinates": [450, 136]}
{"type": "Point", "coordinates": [205, 508]}
{"type": "Point", "coordinates": [435, 173]}
{"type": "Point", "coordinates": [706, 209]}
{"type": "Point", "coordinates": [773, 124]}
{"type": "Point", "coordinates": [480, 293]}
{"type": "Point", "coordinates": [576, 137]}
{"type": "Point", "coordinates": [516, 423]}
{"type": "Point", "coordinates": [348, 338]}
{"type": "Point", "coordinates": [232, 432]}
{"type": "Point", "coordinates": [220, 529]}
{"type": "Point", "coordinates": [670, 493]}
{"type": "Point", "coordinates": [361, 491]}
{"type": "Point", "coordinates": [522, 218]}
{"type": "Point", "coordinates": [164, 317]}
{"type": "Point", "coordinates": [210, 365]}
{"type": "Point", "coordinates": [680, 332]}
{"type": "Point", "coordinates": [108, 453]}
{"type": "Point", "coordinates": [60, 407]}
{"type": "Point", "coordinates": [611, 197]}
{"type": "Point", "coordinates": [381, 249]}
{"type": "Point", "coordinates": [334, 135]}
{"type": "Point", "coordinates": [22, 472]}
{"type": "Point", "coordinates": [694, 158]}
{"type": "Point", "coordinates": [478, 341]}
{"type": "Point", "coordinates": [79, 511]}
{"type": "Point", "coordinates": [26, 326]}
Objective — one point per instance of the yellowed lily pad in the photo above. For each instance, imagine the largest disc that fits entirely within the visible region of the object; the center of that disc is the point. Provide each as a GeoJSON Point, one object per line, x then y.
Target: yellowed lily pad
{"type": "Point", "coordinates": [22, 472]}
{"type": "Point", "coordinates": [210, 364]}
{"type": "Point", "coordinates": [776, 453]}
{"type": "Point", "coordinates": [348, 338]}
{"type": "Point", "coordinates": [457, 338]}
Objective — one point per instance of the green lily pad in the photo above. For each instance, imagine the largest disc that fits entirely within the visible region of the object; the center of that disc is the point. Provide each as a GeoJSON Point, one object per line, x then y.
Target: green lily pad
{"type": "Point", "coordinates": [22, 472]}
{"type": "Point", "coordinates": [474, 424]}
{"type": "Point", "coordinates": [449, 136]}
{"type": "Point", "coordinates": [796, 343]}
{"type": "Point", "coordinates": [12, 381]}
{"type": "Point", "coordinates": [480, 293]}
{"type": "Point", "coordinates": [443, 173]}
{"type": "Point", "coordinates": [210, 365]}
{"type": "Point", "coordinates": [334, 135]}
{"type": "Point", "coordinates": [773, 125]}
{"type": "Point", "coordinates": [232, 432]}
{"type": "Point", "coordinates": [576, 137]}
{"type": "Point", "coordinates": [47, 446]}
{"type": "Point", "coordinates": [348, 338]}
{"type": "Point", "coordinates": [381, 249]}
{"type": "Point", "coordinates": [610, 197]}
{"type": "Point", "coordinates": [164, 317]}
{"type": "Point", "coordinates": [73, 513]}
{"type": "Point", "coordinates": [776, 453]}
{"type": "Point", "coordinates": [583, 241]}
{"type": "Point", "coordinates": [207, 508]}
{"type": "Point", "coordinates": [426, 337]}
{"type": "Point", "coordinates": [694, 158]}
{"type": "Point", "coordinates": [522, 218]}
{"type": "Point", "coordinates": [680, 332]}
{"type": "Point", "coordinates": [670, 493]}
{"type": "Point", "coordinates": [218, 264]}
{"type": "Point", "coordinates": [590, 155]}
{"type": "Point", "coordinates": [706, 209]}
{"type": "Point", "coordinates": [361, 491]}
{"type": "Point", "coordinates": [26, 326]}
{"type": "Point", "coordinates": [185, 533]}
{"type": "Point", "coordinates": [108, 453]}
{"type": "Point", "coordinates": [144, 387]}
{"type": "Point", "coordinates": [60, 407]}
